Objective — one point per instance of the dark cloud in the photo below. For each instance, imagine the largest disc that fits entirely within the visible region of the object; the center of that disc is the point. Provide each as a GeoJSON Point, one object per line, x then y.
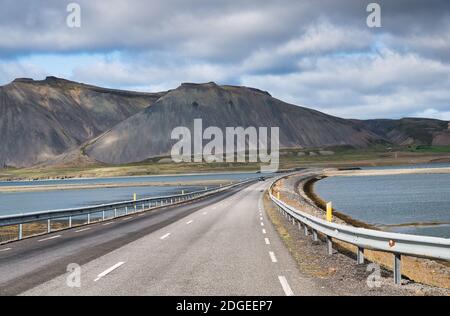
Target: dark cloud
{"type": "Point", "coordinates": [319, 54]}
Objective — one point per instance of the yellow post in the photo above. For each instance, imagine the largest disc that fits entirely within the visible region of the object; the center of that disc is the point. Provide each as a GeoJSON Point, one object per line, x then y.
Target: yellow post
{"type": "Point", "coordinates": [329, 211]}
{"type": "Point", "coordinates": [134, 196]}
{"type": "Point", "coordinates": [278, 195]}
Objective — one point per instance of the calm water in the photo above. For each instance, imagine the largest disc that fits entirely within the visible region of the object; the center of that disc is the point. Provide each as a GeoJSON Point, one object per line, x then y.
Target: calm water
{"type": "Point", "coordinates": [25, 202]}
{"type": "Point", "coordinates": [418, 200]}
{"type": "Point", "coordinates": [232, 176]}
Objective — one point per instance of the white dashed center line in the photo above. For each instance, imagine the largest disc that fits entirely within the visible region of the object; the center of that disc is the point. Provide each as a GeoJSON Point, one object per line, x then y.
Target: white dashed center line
{"type": "Point", "coordinates": [109, 223]}
{"type": "Point", "coordinates": [82, 230]}
{"type": "Point", "coordinates": [272, 257]}
{"type": "Point", "coordinates": [285, 285]}
{"type": "Point", "coordinates": [165, 236]}
{"type": "Point", "coordinates": [49, 238]}
{"type": "Point", "coordinates": [204, 213]}
{"type": "Point", "coordinates": [108, 271]}
{"type": "Point", "coordinates": [267, 241]}
{"type": "Point", "coordinates": [190, 222]}
{"type": "Point", "coordinates": [263, 231]}
{"type": "Point", "coordinates": [6, 249]}
{"type": "Point", "coordinates": [262, 224]}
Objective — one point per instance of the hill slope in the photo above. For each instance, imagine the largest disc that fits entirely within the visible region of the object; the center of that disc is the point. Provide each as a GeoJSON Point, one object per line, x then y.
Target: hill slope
{"type": "Point", "coordinates": [42, 119]}
{"type": "Point", "coordinates": [410, 131]}
{"type": "Point", "coordinates": [147, 134]}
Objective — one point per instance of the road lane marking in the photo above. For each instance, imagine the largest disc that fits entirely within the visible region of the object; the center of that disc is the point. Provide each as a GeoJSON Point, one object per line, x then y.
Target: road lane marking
{"type": "Point", "coordinates": [272, 257]}
{"type": "Point", "coordinates": [263, 231]}
{"type": "Point", "coordinates": [165, 236]}
{"type": "Point", "coordinates": [267, 241]}
{"type": "Point", "coordinates": [261, 218]}
{"type": "Point", "coordinates": [6, 249]}
{"type": "Point", "coordinates": [82, 230]}
{"type": "Point", "coordinates": [262, 224]}
{"type": "Point", "coordinates": [190, 222]}
{"type": "Point", "coordinates": [108, 271]}
{"type": "Point", "coordinates": [109, 223]}
{"type": "Point", "coordinates": [49, 238]}
{"type": "Point", "coordinates": [285, 285]}
{"type": "Point", "coordinates": [127, 218]}
{"type": "Point", "coordinates": [204, 213]}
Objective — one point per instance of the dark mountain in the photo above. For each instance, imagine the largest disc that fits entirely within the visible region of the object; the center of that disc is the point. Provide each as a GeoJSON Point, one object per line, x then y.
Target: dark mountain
{"type": "Point", "coordinates": [42, 119]}
{"type": "Point", "coordinates": [58, 121]}
{"type": "Point", "coordinates": [147, 133]}
{"type": "Point", "coordinates": [410, 131]}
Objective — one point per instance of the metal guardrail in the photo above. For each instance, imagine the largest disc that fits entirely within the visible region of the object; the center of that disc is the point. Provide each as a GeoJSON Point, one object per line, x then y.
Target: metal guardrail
{"type": "Point", "coordinates": [395, 243]}
{"type": "Point", "coordinates": [105, 211]}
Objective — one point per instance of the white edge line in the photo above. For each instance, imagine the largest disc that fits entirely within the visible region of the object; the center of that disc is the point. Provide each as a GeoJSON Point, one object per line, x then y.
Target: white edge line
{"type": "Point", "coordinates": [108, 271]}
{"type": "Point", "coordinates": [190, 222]}
{"type": "Point", "coordinates": [49, 238]}
{"type": "Point", "coordinates": [267, 241]}
{"type": "Point", "coordinates": [285, 285]}
{"type": "Point", "coordinates": [165, 236]}
{"type": "Point", "coordinates": [263, 231]}
{"type": "Point", "coordinates": [272, 257]}
{"type": "Point", "coordinates": [6, 249]}
{"type": "Point", "coordinates": [82, 230]}
{"type": "Point", "coordinates": [262, 224]}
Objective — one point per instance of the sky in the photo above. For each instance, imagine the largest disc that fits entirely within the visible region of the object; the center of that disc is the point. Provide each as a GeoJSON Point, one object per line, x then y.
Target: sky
{"type": "Point", "coordinates": [319, 54]}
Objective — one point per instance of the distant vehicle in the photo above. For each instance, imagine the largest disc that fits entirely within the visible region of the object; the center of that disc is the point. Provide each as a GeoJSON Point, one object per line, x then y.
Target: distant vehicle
{"type": "Point", "coordinates": [262, 179]}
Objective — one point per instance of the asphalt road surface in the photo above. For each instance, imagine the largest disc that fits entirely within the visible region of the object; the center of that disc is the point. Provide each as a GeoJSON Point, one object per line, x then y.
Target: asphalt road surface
{"type": "Point", "coordinates": [223, 245]}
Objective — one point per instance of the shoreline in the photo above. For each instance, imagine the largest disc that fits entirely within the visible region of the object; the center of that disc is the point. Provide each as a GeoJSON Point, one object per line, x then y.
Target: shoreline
{"type": "Point", "coordinates": [425, 271]}
{"type": "Point", "coordinates": [59, 187]}
{"type": "Point", "coordinates": [384, 172]}
{"type": "Point", "coordinates": [309, 190]}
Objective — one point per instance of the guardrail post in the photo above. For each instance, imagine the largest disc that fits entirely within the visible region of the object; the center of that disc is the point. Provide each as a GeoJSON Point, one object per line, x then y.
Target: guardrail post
{"type": "Point", "coordinates": [103, 215]}
{"type": "Point", "coordinates": [299, 225]}
{"type": "Point", "coordinates": [70, 221]}
{"type": "Point", "coordinates": [143, 207]}
{"type": "Point", "coordinates": [397, 268]}
{"type": "Point", "coordinates": [360, 255]}
{"type": "Point", "coordinates": [20, 231]}
{"type": "Point", "coordinates": [329, 246]}
{"type": "Point", "coordinates": [126, 210]}
{"type": "Point", "coordinates": [135, 208]}
{"type": "Point", "coordinates": [115, 213]}
{"type": "Point", "coordinates": [315, 235]}
{"type": "Point", "coordinates": [89, 218]}
{"type": "Point", "coordinates": [306, 230]}
{"type": "Point", "coordinates": [49, 226]}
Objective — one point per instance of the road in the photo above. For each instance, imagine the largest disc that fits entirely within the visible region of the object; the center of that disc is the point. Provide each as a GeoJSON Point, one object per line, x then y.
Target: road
{"type": "Point", "coordinates": [223, 245]}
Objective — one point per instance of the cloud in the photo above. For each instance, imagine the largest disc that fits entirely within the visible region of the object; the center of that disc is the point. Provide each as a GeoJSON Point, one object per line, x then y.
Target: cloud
{"type": "Point", "coordinates": [319, 54]}
{"type": "Point", "coordinates": [363, 86]}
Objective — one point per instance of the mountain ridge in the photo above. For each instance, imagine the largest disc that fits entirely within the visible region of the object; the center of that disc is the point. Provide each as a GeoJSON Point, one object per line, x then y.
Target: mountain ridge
{"type": "Point", "coordinates": [48, 120]}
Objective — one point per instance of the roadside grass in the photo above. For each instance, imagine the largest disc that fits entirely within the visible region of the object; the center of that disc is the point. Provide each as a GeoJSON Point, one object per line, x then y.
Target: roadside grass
{"type": "Point", "coordinates": [336, 156]}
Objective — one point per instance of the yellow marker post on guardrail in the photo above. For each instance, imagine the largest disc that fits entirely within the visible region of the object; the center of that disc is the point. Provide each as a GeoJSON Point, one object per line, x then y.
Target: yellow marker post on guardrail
{"type": "Point", "coordinates": [278, 195]}
{"type": "Point", "coordinates": [134, 197]}
{"type": "Point", "coordinates": [329, 212]}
